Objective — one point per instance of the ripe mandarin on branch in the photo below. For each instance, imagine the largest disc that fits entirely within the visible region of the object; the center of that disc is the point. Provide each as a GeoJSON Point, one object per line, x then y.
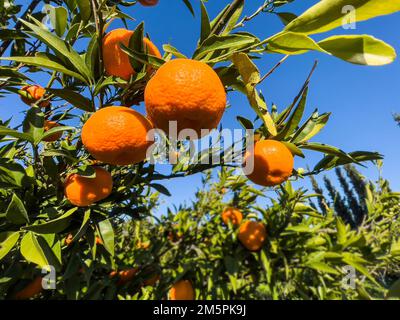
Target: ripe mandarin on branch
{"type": "Point", "coordinates": [31, 290]}
{"type": "Point", "coordinates": [116, 62]}
{"type": "Point", "coordinates": [187, 91]}
{"type": "Point", "coordinates": [117, 135]}
{"type": "Point", "coordinates": [36, 93]}
{"type": "Point", "coordinates": [49, 125]}
{"type": "Point", "coordinates": [148, 3]}
{"type": "Point", "coordinates": [273, 163]}
{"type": "Point", "coordinates": [83, 191]}
{"type": "Point", "coordinates": [252, 235]}
{"type": "Point", "coordinates": [182, 290]}
{"type": "Point", "coordinates": [233, 215]}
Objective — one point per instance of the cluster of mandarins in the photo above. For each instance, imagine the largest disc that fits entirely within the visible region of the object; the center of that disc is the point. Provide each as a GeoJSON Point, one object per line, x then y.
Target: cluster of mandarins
{"type": "Point", "coordinates": [182, 90]}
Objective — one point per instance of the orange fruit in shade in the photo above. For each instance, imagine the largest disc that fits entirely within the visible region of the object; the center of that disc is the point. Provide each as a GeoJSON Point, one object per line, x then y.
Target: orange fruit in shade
{"type": "Point", "coordinates": [49, 125]}
{"type": "Point", "coordinates": [148, 3]}
{"type": "Point", "coordinates": [273, 163]}
{"type": "Point", "coordinates": [252, 235]}
{"type": "Point", "coordinates": [233, 215]}
{"type": "Point", "coordinates": [31, 290]}
{"type": "Point", "coordinates": [35, 92]}
{"type": "Point", "coordinates": [117, 135]}
{"type": "Point", "coordinates": [99, 241]}
{"type": "Point", "coordinates": [68, 239]}
{"type": "Point", "coordinates": [124, 276]}
{"type": "Point", "coordinates": [83, 191]}
{"type": "Point", "coordinates": [182, 290]}
{"type": "Point", "coordinates": [116, 62]}
{"type": "Point", "coordinates": [143, 245]}
{"type": "Point", "coordinates": [188, 92]}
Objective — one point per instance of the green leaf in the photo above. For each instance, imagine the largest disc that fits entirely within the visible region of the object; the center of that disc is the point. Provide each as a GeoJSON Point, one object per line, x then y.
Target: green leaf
{"type": "Point", "coordinates": [327, 149]}
{"type": "Point", "coordinates": [205, 23]}
{"type": "Point", "coordinates": [233, 17]}
{"type": "Point", "coordinates": [147, 59]}
{"type": "Point", "coordinates": [84, 225]}
{"type": "Point", "coordinates": [189, 6]}
{"type": "Point", "coordinates": [291, 43]}
{"type": "Point", "coordinates": [9, 243]}
{"type": "Point", "coordinates": [58, 18]}
{"type": "Point", "coordinates": [294, 120]}
{"type": "Point", "coordinates": [311, 127]}
{"type": "Point", "coordinates": [33, 124]}
{"type": "Point", "coordinates": [91, 56]}
{"type": "Point", "coordinates": [227, 18]}
{"type": "Point", "coordinates": [328, 14]}
{"type": "Point", "coordinates": [286, 17]}
{"type": "Point", "coordinates": [322, 267]}
{"type": "Point", "coordinates": [54, 130]}
{"type": "Point", "coordinates": [46, 62]}
{"type": "Point", "coordinates": [106, 232]}
{"type": "Point", "coordinates": [246, 123]}
{"type": "Point", "coordinates": [16, 212]}
{"type": "Point", "coordinates": [341, 231]}
{"type": "Point", "coordinates": [294, 149]}
{"type": "Point", "coordinates": [32, 251]}
{"type": "Point", "coordinates": [74, 98]}
{"type": "Point", "coordinates": [13, 133]}
{"type": "Point", "coordinates": [160, 188]}
{"type": "Point", "coordinates": [230, 42]}
{"type": "Point", "coordinates": [359, 49]}
{"type": "Point", "coordinates": [53, 226]}
{"type": "Point", "coordinates": [62, 49]}
{"type": "Point", "coordinates": [84, 9]}
{"type": "Point", "coordinates": [394, 290]}
{"type": "Point", "coordinates": [136, 44]}
{"type": "Point", "coordinates": [6, 73]}
{"type": "Point", "coordinates": [12, 175]}
{"type": "Point", "coordinates": [174, 51]}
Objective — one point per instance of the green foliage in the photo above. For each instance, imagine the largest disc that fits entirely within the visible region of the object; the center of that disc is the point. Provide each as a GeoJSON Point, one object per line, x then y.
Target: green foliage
{"type": "Point", "coordinates": [306, 249]}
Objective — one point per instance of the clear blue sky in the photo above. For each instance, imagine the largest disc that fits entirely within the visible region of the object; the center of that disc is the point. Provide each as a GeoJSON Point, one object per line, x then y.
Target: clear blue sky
{"type": "Point", "coordinates": [361, 99]}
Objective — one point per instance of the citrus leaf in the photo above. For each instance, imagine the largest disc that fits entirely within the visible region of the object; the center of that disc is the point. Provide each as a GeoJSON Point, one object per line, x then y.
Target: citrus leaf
{"type": "Point", "coordinates": [46, 63]}
{"type": "Point", "coordinates": [359, 49]}
{"type": "Point", "coordinates": [328, 14]}
{"type": "Point", "coordinates": [13, 133]}
{"type": "Point", "coordinates": [311, 127]}
{"type": "Point", "coordinates": [16, 212]}
{"type": "Point", "coordinates": [291, 43]}
{"type": "Point", "coordinates": [74, 98]}
{"type": "Point", "coordinates": [7, 245]}
{"type": "Point", "coordinates": [53, 226]}
{"type": "Point", "coordinates": [205, 23]}
{"type": "Point", "coordinates": [54, 130]}
{"type": "Point", "coordinates": [33, 124]}
{"type": "Point", "coordinates": [32, 251]}
{"type": "Point", "coordinates": [106, 232]}
{"type": "Point", "coordinates": [62, 49]}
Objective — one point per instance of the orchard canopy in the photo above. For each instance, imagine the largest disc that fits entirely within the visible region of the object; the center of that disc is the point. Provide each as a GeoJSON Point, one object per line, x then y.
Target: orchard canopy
{"type": "Point", "coordinates": [110, 115]}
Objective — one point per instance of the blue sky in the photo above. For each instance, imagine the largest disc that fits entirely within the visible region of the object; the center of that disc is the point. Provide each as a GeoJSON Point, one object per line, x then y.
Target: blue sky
{"type": "Point", "coordinates": [361, 99]}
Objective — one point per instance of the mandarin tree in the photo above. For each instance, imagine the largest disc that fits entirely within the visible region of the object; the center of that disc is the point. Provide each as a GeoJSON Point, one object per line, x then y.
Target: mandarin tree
{"type": "Point", "coordinates": [81, 173]}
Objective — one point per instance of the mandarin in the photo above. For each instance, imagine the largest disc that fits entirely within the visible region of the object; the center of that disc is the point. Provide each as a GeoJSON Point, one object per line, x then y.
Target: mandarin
{"type": "Point", "coordinates": [188, 92]}
{"type": "Point", "coordinates": [117, 135]}
{"type": "Point", "coordinates": [273, 163]}
{"type": "Point", "coordinates": [83, 191]}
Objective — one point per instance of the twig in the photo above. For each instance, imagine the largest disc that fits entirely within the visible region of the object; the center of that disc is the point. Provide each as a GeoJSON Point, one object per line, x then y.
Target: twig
{"type": "Point", "coordinates": [99, 30]}
{"type": "Point", "coordinates": [274, 68]}
{"type": "Point", "coordinates": [255, 14]}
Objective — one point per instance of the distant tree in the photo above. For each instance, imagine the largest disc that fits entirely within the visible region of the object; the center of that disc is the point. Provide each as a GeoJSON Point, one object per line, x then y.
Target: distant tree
{"type": "Point", "coordinates": [348, 203]}
{"type": "Point", "coordinates": [397, 118]}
